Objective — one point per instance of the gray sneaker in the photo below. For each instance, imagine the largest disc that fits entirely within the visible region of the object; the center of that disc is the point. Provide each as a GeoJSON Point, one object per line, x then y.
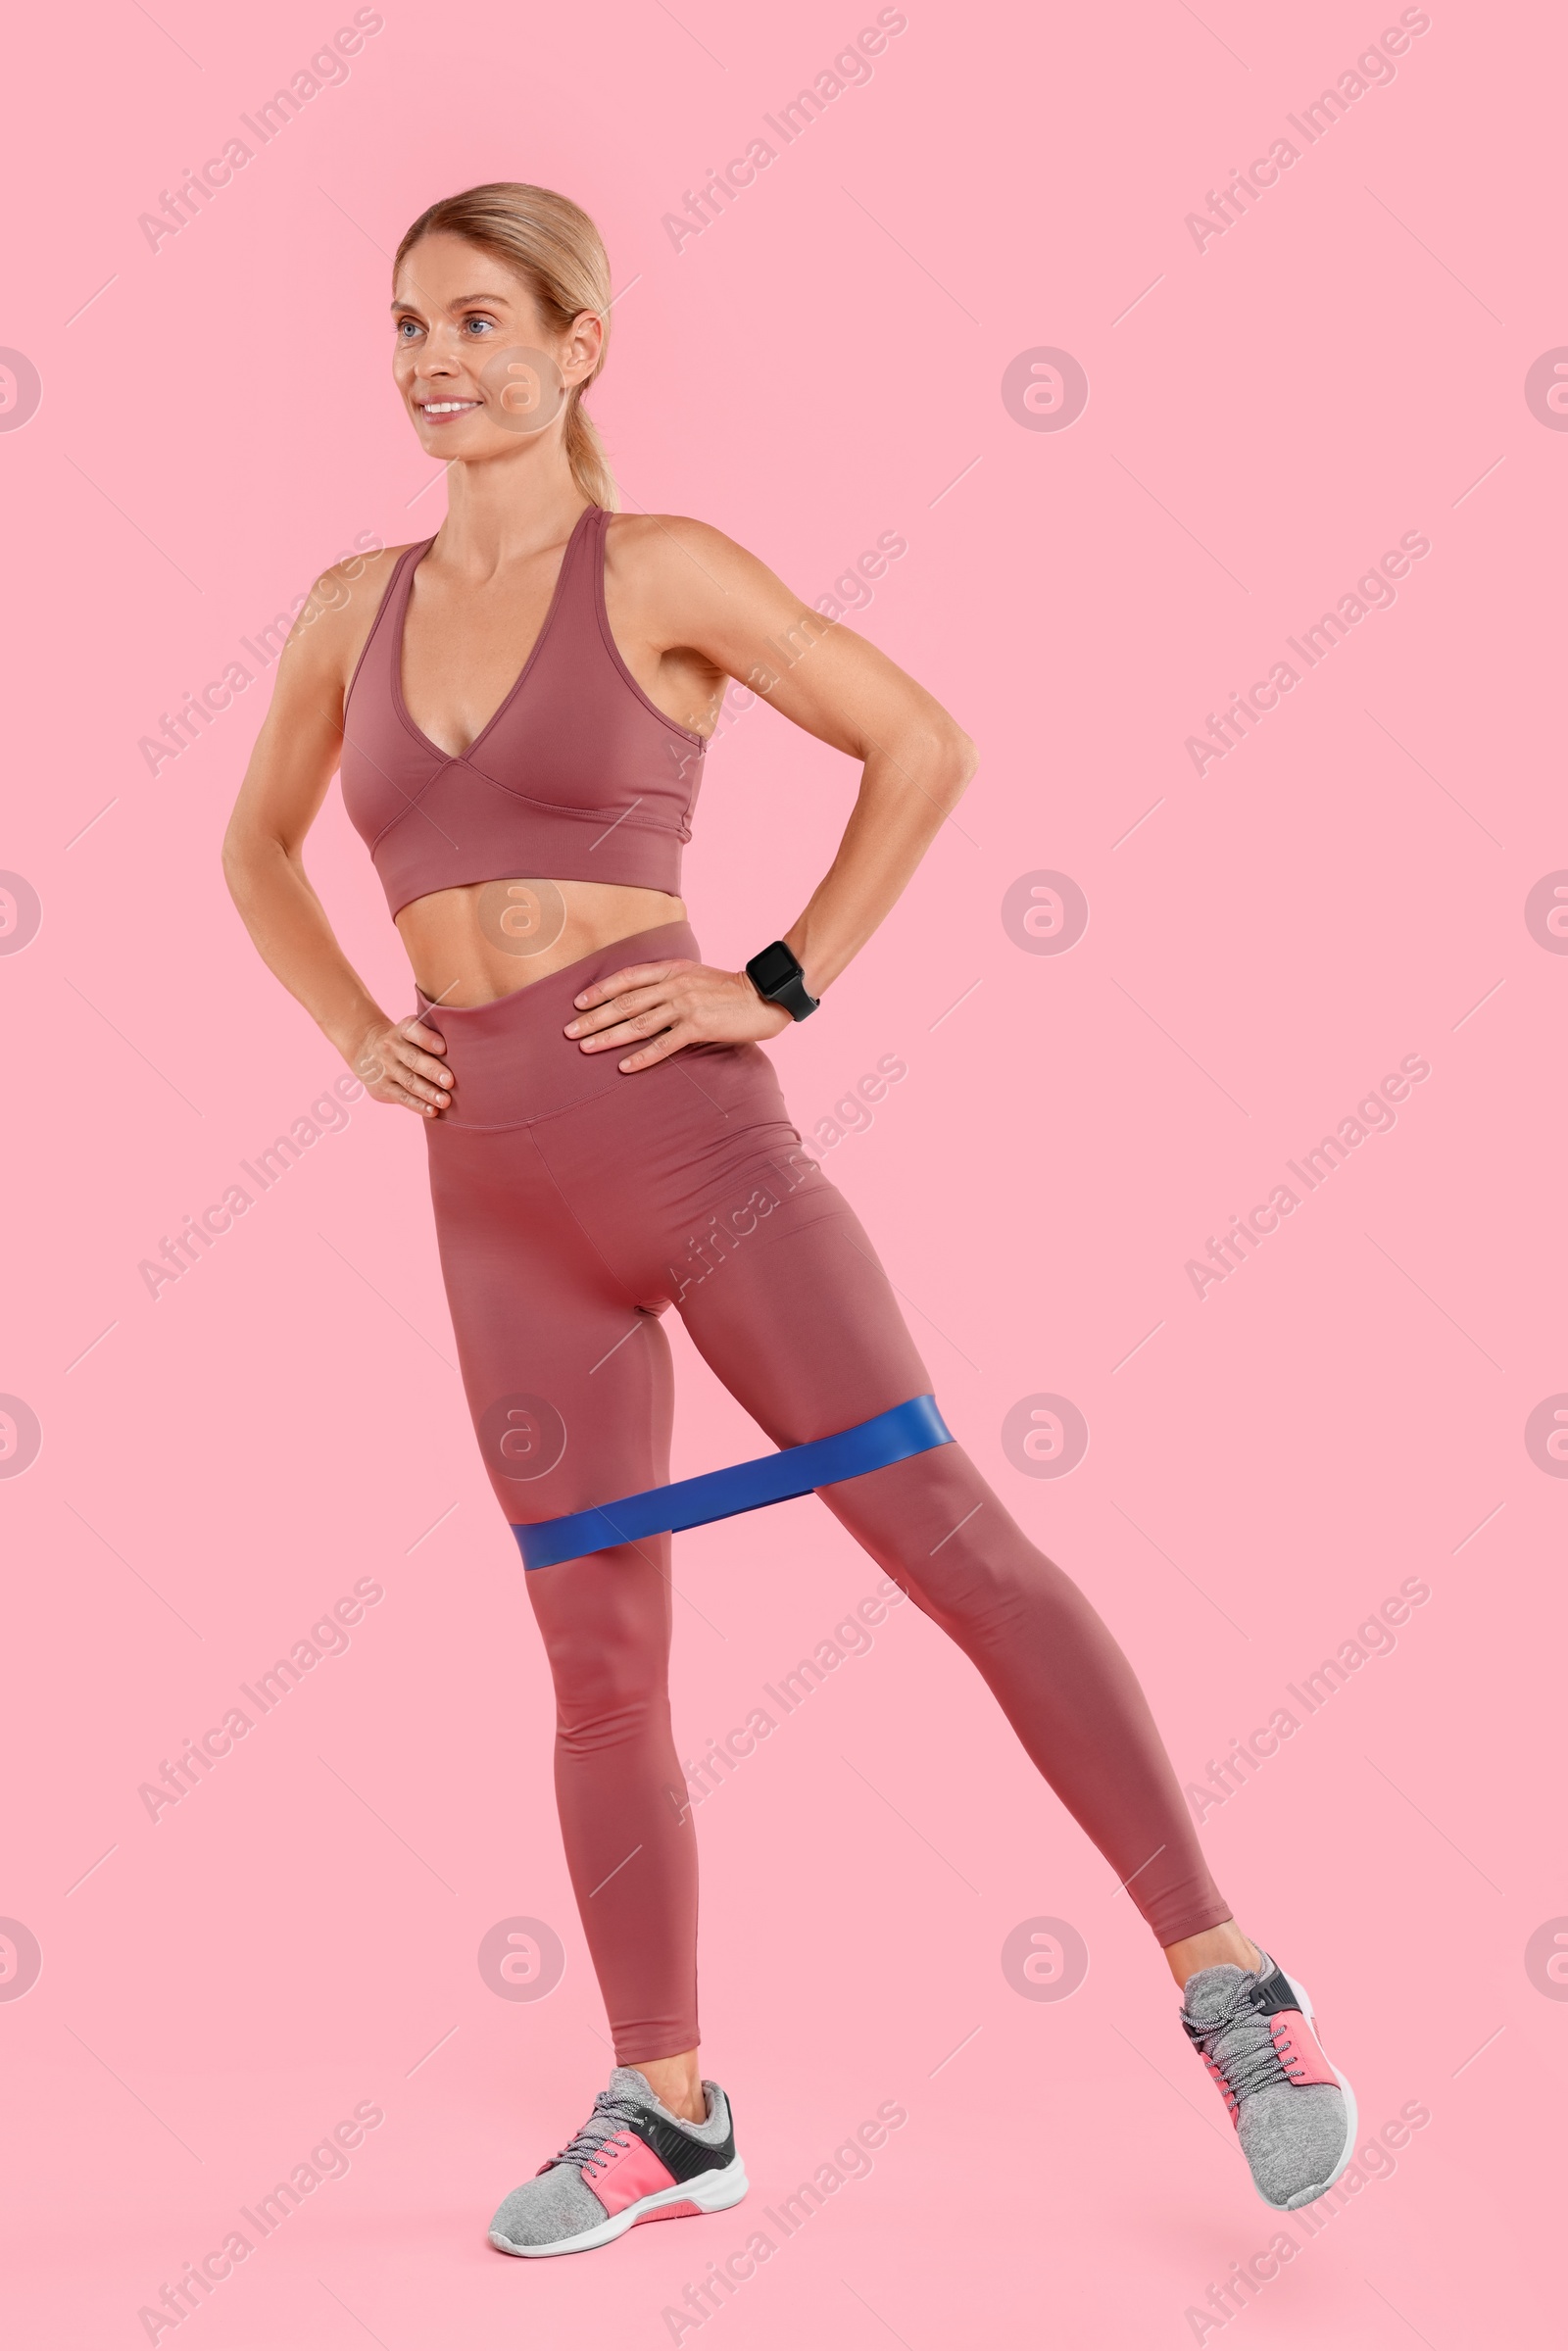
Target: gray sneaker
{"type": "Point", "coordinates": [632, 2161]}
{"type": "Point", "coordinates": [1293, 2111]}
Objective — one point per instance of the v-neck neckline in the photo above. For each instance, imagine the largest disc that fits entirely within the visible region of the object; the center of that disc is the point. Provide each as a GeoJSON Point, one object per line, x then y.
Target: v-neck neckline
{"type": "Point", "coordinates": [510, 696]}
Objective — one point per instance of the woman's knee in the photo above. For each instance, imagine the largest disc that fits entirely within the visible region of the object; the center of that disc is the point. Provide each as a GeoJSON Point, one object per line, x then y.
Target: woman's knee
{"type": "Point", "coordinates": [912, 1513]}
{"type": "Point", "coordinates": [609, 1663]}
{"type": "Point", "coordinates": [934, 1522]}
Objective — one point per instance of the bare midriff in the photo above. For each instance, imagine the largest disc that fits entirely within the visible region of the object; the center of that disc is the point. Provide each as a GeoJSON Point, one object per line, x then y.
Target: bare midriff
{"type": "Point", "coordinates": [470, 946]}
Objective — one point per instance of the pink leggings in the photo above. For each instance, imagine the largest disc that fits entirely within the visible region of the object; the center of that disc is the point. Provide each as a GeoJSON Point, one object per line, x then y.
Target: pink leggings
{"type": "Point", "coordinates": [573, 1206]}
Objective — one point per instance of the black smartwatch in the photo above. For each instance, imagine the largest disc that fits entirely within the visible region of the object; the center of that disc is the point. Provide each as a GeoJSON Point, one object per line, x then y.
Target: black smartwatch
{"type": "Point", "coordinates": [776, 974]}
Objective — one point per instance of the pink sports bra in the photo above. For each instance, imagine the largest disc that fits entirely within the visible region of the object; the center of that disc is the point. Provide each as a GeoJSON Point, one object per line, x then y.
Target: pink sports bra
{"type": "Point", "coordinates": [577, 777]}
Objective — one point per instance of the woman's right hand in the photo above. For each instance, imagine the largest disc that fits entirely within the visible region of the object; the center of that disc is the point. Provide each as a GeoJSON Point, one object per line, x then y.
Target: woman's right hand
{"type": "Point", "coordinates": [396, 1063]}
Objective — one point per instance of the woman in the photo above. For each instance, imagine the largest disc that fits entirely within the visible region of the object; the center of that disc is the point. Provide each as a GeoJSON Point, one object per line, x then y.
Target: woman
{"type": "Point", "coordinates": [520, 707]}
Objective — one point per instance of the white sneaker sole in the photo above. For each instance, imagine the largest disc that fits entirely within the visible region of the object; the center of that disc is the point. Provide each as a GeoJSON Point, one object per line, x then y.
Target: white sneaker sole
{"type": "Point", "coordinates": [709, 2192]}
{"type": "Point", "coordinates": [1310, 2195]}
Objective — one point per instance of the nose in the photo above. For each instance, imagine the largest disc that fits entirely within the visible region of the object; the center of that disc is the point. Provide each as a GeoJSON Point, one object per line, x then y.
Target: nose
{"type": "Point", "coordinates": [440, 353]}
{"type": "Point", "coordinates": [435, 371]}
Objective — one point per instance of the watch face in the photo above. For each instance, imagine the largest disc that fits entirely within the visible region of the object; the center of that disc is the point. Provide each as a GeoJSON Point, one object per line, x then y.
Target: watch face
{"type": "Point", "coordinates": [773, 967]}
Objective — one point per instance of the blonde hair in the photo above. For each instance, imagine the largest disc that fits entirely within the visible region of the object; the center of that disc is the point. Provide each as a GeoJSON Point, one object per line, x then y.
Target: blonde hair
{"type": "Point", "coordinates": [553, 246]}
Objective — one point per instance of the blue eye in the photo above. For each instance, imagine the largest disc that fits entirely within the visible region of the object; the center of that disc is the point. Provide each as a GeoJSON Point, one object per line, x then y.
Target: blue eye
{"type": "Point", "coordinates": [480, 325]}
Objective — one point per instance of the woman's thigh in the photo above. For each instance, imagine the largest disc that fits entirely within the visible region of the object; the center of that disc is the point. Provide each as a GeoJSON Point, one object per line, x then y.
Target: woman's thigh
{"type": "Point", "coordinates": [692, 1184]}
{"type": "Point", "coordinates": [800, 1321]}
{"type": "Point", "coordinates": [569, 1386]}
{"type": "Point", "coordinates": [568, 1378]}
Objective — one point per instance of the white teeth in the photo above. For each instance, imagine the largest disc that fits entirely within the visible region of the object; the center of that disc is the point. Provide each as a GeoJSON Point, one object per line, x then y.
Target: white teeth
{"type": "Point", "coordinates": [446, 407]}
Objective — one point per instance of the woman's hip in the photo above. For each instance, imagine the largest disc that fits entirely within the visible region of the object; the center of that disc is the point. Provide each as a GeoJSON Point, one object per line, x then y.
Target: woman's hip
{"type": "Point", "coordinates": [511, 1060]}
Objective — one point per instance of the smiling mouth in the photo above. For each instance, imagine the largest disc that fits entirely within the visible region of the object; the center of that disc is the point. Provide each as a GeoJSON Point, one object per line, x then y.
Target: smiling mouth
{"type": "Point", "coordinates": [446, 407]}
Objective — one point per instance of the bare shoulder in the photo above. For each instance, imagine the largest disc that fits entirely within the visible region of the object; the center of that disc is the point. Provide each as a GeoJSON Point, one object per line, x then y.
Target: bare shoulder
{"type": "Point", "coordinates": [330, 629]}
{"type": "Point", "coordinates": [678, 562]}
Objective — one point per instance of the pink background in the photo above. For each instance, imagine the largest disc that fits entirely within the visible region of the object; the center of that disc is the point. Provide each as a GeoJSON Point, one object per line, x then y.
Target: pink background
{"type": "Point", "coordinates": [1344, 364]}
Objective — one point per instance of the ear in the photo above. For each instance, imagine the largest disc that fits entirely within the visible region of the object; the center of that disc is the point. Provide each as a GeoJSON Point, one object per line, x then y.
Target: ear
{"type": "Point", "coordinates": [583, 348]}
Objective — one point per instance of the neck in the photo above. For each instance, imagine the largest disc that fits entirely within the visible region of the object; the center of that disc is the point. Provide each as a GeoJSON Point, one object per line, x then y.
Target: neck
{"type": "Point", "coordinates": [503, 510]}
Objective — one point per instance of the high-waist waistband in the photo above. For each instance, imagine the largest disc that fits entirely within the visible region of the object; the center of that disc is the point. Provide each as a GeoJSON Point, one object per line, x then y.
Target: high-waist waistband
{"type": "Point", "coordinates": [512, 1060]}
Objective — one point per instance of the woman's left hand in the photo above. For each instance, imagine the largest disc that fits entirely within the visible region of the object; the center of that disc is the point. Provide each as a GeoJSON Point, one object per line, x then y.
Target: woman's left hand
{"type": "Point", "coordinates": [671, 1006]}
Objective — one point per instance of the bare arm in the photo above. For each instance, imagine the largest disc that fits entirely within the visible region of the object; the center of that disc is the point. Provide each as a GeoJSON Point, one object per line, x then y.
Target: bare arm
{"type": "Point", "coordinates": [295, 758]}
{"type": "Point", "coordinates": [703, 591]}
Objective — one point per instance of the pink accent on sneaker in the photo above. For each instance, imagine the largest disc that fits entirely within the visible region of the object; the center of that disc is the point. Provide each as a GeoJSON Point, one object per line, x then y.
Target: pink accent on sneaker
{"type": "Point", "coordinates": [669, 2212]}
{"type": "Point", "coordinates": [1299, 2051]}
{"type": "Point", "coordinates": [624, 2169]}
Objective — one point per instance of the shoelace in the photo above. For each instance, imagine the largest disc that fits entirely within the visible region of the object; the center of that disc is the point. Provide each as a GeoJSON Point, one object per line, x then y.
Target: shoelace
{"type": "Point", "coordinates": [612, 2112]}
{"type": "Point", "coordinates": [1239, 2043]}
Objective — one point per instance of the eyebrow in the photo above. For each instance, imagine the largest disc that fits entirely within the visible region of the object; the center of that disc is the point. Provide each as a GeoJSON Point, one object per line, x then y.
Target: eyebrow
{"type": "Point", "coordinates": [458, 301]}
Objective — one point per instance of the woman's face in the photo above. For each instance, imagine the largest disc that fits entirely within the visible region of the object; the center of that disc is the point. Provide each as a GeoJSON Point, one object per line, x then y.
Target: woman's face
{"type": "Point", "coordinates": [475, 364]}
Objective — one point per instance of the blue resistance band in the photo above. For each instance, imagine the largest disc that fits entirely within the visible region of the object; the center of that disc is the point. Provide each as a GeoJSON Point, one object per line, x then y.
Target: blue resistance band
{"type": "Point", "coordinates": [912, 1428]}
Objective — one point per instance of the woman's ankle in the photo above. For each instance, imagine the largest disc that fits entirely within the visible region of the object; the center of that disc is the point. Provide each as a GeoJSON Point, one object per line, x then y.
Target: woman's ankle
{"type": "Point", "coordinates": [1224, 1945]}
{"type": "Point", "coordinates": [677, 2083]}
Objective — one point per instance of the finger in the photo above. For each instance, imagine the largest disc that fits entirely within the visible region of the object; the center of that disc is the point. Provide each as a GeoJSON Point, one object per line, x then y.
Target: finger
{"type": "Point", "coordinates": [417, 1032]}
{"type": "Point", "coordinates": [671, 1042]}
{"type": "Point", "coordinates": [632, 1032]}
{"type": "Point", "coordinates": [635, 975]}
{"type": "Point", "coordinates": [423, 1066]}
{"type": "Point", "coordinates": [435, 1089]}
{"type": "Point", "coordinates": [401, 1100]}
{"type": "Point", "coordinates": [620, 1008]}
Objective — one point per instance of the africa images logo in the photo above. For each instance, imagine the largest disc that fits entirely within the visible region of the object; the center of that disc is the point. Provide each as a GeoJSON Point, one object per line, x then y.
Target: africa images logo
{"type": "Point", "coordinates": [21, 390]}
